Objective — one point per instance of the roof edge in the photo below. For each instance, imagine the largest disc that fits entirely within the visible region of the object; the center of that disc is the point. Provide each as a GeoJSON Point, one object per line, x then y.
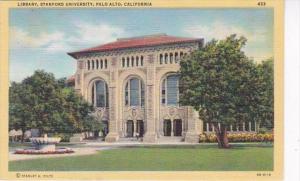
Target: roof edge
{"type": "Point", "coordinates": [84, 51]}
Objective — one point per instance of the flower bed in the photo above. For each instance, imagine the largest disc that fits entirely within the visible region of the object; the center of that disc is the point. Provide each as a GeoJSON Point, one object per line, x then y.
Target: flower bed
{"type": "Point", "coordinates": [238, 137]}
{"type": "Point", "coordinates": [39, 152]}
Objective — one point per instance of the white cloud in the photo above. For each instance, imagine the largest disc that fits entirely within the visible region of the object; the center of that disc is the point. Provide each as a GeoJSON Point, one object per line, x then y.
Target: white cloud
{"type": "Point", "coordinates": [95, 34]}
{"type": "Point", "coordinates": [22, 39]}
{"type": "Point", "coordinates": [84, 35]}
{"type": "Point", "coordinates": [220, 30]}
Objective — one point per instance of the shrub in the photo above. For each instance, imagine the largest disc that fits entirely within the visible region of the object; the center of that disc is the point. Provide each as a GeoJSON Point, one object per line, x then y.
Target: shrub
{"type": "Point", "coordinates": [238, 137]}
{"type": "Point", "coordinates": [65, 137]}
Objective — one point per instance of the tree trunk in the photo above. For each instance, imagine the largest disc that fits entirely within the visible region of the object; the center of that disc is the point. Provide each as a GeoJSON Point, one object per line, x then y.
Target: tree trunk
{"type": "Point", "coordinates": [22, 137]}
{"type": "Point", "coordinates": [221, 133]}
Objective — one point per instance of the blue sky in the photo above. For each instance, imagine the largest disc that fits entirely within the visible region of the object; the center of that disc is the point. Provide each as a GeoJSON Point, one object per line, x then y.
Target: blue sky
{"type": "Point", "coordinates": [40, 38]}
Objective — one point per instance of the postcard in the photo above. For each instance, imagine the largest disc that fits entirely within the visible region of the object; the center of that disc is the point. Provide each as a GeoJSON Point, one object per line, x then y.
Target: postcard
{"type": "Point", "coordinates": [154, 90]}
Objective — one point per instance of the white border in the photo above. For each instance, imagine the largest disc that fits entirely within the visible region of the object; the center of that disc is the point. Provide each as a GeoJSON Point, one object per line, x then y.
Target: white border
{"type": "Point", "coordinates": [292, 91]}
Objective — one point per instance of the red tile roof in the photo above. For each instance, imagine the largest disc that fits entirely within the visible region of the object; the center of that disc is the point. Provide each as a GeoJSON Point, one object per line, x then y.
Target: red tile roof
{"type": "Point", "coordinates": [71, 79]}
{"type": "Point", "coordinates": [144, 41]}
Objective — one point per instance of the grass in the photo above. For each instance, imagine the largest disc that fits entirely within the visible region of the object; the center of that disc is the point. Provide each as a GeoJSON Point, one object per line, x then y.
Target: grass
{"type": "Point", "coordinates": [257, 157]}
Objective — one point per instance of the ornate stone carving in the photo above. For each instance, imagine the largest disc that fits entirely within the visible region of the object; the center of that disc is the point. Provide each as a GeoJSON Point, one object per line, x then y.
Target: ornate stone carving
{"type": "Point", "coordinates": [114, 61]}
{"type": "Point", "coordinates": [134, 113]}
{"type": "Point", "coordinates": [102, 113]}
{"type": "Point", "coordinates": [151, 59]}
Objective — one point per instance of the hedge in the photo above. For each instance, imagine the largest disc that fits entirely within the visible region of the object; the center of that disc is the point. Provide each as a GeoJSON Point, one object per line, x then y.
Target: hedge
{"type": "Point", "coordinates": [239, 137]}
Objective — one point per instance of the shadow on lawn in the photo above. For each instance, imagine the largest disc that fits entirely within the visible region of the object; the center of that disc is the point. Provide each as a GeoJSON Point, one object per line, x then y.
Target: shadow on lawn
{"type": "Point", "coordinates": [204, 146]}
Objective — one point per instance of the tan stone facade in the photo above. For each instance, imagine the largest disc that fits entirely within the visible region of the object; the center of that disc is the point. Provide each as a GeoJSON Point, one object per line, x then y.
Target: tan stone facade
{"type": "Point", "coordinates": [151, 65]}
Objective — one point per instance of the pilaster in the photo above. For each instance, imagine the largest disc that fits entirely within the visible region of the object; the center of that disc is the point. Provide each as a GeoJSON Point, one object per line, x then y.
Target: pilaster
{"type": "Point", "coordinates": [113, 104]}
{"type": "Point", "coordinates": [194, 126]}
{"type": "Point", "coordinates": [150, 135]}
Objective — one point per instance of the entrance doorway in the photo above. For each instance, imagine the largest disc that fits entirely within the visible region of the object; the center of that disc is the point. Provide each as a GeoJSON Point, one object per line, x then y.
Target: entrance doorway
{"type": "Point", "coordinates": [140, 127]}
{"type": "Point", "coordinates": [104, 128]}
{"type": "Point", "coordinates": [167, 127]}
{"type": "Point", "coordinates": [177, 127]}
{"type": "Point", "coordinates": [130, 127]}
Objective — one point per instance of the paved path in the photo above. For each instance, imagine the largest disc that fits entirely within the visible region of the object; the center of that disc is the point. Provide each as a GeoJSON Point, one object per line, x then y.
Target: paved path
{"type": "Point", "coordinates": [88, 148]}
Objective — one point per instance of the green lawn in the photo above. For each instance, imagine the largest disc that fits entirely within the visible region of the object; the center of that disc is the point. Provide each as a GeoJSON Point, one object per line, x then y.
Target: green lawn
{"type": "Point", "coordinates": [155, 158]}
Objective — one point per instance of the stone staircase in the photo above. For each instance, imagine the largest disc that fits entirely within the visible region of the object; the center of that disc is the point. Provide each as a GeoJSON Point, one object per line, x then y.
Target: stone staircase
{"type": "Point", "coordinates": [169, 139]}
{"type": "Point", "coordinates": [132, 139]}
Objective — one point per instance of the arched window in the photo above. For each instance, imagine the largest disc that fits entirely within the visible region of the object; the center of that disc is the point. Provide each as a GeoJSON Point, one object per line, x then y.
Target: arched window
{"type": "Point", "coordinates": [128, 61]}
{"type": "Point", "coordinates": [88, 65]}
{"type": "Point", "coordinates": [123, 62]}
{"type": "Point", "coordinates": [134, 92]}
{"type": "Point", "coordinates": [166, 58]}
{"type": "Point", "coordinates": [101, 64]}
{"type": "Point", "coordinates": [176, 57]}
{"type": "Point", "coordinates": [132, 61]}
{"type": "Point", "coordinates": [171, 58]}
{"type": "Point", "coordinates": [105, 63]}
{"type": "Point", "coordinates": [100, 94]}
{"type": "Point", "coordinates": [181, 54]}
{"type": "Point", "coordinates": [137, 61]}
{"type": "Point", "coordinates": [170, 90]}
{"type": "Point", "coordinates": [97, 64]}
{"type": "Point", "coordinates": [93, 64]}
{"type": "Point", "coordinates": [161, 58]}
{"type": "Point", "coordinates": [142, 61]}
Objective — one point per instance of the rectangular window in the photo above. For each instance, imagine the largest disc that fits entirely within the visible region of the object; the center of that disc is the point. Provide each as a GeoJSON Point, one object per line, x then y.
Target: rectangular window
{"type": "Point", "coordinates": [100, 94]}
{"type": "Point", "coordinates": [142, 61]}
{"type": "Point", "coordinates": [172, 87]}
{"type": "Point", "coordinates": [134, 92]}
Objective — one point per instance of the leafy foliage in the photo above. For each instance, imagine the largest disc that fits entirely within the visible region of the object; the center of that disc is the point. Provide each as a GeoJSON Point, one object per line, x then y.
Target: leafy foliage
{"type": "Point", "coordinates": [42, 102]}
{"type": "Point", "coordinates": [226, 87]}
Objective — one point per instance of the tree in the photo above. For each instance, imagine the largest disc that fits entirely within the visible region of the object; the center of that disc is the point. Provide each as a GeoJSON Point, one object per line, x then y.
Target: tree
{"type": "Point", "coordinates": [220, 82]}
{"type": "Point", "coordinates": [19, 111]}
{"type": "Point", "coordinates": [263, 106]}
{"type": "Point", "coordinates": [42, 102]}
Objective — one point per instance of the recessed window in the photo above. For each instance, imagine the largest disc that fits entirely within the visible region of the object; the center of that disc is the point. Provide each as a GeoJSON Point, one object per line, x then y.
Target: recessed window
{"type": "Point", "coordinates": [166, 58]}
{"type": "Point", "coordinates": [105, 63]}
{"type": "Point", "coordinates": [128, 61]}
{"type": "Point", "coordinates": [142, 61]}
{"type": "Point", "coordinates": [176, 57]}
{"type": "Point", "coordinates": [170, 90]}
{"type": "Point", "coordinates": [93, 64]}
{"type": "Point", "coordinates": [88, 65]}
{"type": "Point", "coordinates": [100, 94]}
{"type": "Point", "coordinates": [123, 62]}
{"type": "Point", "coordinates": [97, 64]}
{"type": "Point", "coordinates": [137, 61]}
{"type": "Point", "coordinates": [161, 58]}
{"type": "Point", "coordinates": [134, 92]}
{"type": "Point", "coordinates": [132, 61]}
{"type": "Point", "coordinates": [171, 58]}
{"type": "Point", "coordinates": [181, 54]}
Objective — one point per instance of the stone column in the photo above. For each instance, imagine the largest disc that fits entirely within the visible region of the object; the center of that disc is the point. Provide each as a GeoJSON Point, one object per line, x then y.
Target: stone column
{"type": "Point", "coordinates": [113, 104]}
{"type": "Point", "coordinates": [79, 78]}
{"type": "Point", "coordinates": [134, 128]}
{"type": "Point", "coordinates": [125, 129]}
{"type": "Point", "coordinates": [194, 123]}
{"type": "Point", "coordinates": [150, 135]}
{"type": "Point", "coordinates": [172, 127]}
